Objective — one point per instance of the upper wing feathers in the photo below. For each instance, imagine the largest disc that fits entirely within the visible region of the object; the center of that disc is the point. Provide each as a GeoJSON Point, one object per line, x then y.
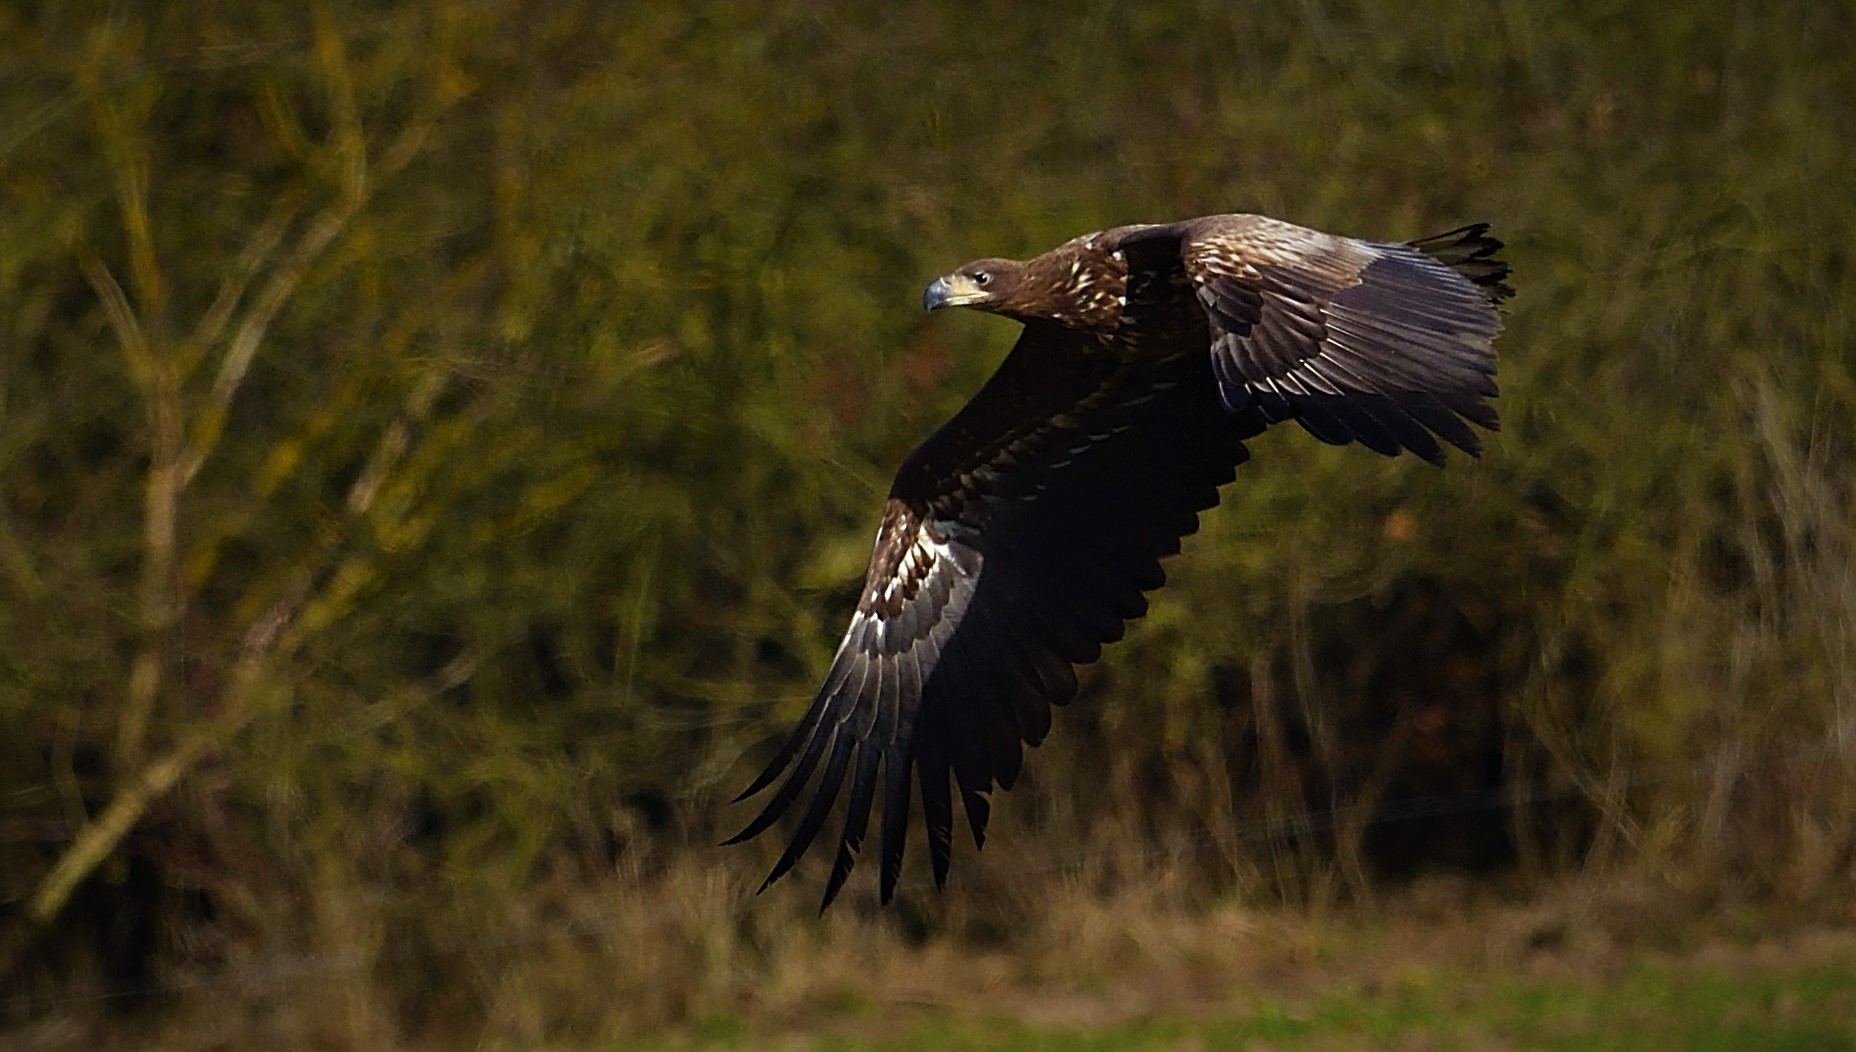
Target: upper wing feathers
{"type": "Point", "coordinates": [1389, 345]}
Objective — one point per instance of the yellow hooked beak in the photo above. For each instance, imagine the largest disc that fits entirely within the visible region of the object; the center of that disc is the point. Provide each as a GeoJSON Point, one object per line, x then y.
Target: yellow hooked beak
{"type": "Point", "coordinates": [954, 290]}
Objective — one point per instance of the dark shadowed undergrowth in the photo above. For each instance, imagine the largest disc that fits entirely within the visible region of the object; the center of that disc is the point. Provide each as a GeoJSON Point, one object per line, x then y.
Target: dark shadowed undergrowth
{"type": "Point", "coordinates": [439, 445]}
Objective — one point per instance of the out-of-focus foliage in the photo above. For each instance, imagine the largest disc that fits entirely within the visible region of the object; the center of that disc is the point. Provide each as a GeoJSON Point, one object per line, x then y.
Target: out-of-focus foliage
{"type": "Point", "coordinates": [438, 440]}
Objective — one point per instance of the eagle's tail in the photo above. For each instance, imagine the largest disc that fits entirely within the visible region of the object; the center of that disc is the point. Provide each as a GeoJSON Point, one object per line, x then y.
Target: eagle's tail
{"type": "Point", "coordinates": [1470, 251]}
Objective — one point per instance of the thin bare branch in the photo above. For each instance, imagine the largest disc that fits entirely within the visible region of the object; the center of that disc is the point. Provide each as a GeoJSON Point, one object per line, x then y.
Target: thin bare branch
{"type": "Point", "coordinates": [97, 839]}
{"type": "Point", "coordinates": [405, 147]}
{"type": "Point", "coordinates": [256, 253]}
{"type": "Point", "coordinates": [393, 444]}
{"type": "Point", "coordinates": [122, 142]}
{"type": "Point", "coordinates": [210, 423]}
{"type": "Point", "coordinates": [348, 137]}
{"type": "Point", "coordinates": [154, 377]}
{"type": "Point", "coordinates": [121, 315]}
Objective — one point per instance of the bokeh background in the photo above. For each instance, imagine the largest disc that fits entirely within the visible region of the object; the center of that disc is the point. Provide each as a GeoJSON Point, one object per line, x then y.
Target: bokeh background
{"type": "Point", "coordinates": [440, 444]}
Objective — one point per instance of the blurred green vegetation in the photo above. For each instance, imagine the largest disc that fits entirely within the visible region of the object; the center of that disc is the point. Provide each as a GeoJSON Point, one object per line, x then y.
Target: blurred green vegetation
{"type": "Point", "coordinates": [440, 442]}
{"type": "Point", "coordinates": [1649, 1006]}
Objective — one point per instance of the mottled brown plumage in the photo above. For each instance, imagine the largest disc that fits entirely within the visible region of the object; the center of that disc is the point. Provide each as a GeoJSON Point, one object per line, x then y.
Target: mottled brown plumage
{"type": "Point", "coordinates": [1022, 535]}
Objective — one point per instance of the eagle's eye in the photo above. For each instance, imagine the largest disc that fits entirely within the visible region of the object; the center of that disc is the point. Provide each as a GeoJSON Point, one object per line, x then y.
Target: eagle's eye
{"type": "Point", "coordinates": [982, 278]}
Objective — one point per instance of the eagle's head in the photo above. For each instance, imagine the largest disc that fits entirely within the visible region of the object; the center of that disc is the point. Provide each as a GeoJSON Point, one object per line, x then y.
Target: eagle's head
{"type": "Point", "coordinates": [1074, 285]}
{"type": "Point", "coordinates": [984, 284]}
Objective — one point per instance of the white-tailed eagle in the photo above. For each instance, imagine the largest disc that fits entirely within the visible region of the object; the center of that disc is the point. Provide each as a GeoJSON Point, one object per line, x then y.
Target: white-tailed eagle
{"type": "Point", "coordinates": [1024, 533]}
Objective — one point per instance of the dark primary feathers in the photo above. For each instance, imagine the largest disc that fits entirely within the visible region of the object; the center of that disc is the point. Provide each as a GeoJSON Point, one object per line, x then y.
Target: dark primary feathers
{"type": "Point", "coordinates": [1025, 532]}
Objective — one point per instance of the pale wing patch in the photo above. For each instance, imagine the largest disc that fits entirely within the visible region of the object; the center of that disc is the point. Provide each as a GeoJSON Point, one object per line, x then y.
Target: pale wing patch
{"type": "Point", "coordinates": [1237, 246]}
{"type": "Point", "coordinates": [918, 589]}
{"type": "Point", "coordinates": [910, 605]}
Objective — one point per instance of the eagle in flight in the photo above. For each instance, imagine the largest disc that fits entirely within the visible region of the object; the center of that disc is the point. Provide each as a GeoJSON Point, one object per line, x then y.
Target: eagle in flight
{"type": "Point", "coordinates": [1024, 533]}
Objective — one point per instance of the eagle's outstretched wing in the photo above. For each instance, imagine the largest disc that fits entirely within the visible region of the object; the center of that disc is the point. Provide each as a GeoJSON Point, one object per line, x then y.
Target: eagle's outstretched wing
{"type": "Point", "coordinates": [1388, 344]}
{"type": "Point", "coordinates": [1017, 540]}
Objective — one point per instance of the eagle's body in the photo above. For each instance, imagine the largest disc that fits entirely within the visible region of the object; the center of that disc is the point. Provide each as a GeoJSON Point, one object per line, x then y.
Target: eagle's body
{"type": "Point", "coordinates": [1025, 532]}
